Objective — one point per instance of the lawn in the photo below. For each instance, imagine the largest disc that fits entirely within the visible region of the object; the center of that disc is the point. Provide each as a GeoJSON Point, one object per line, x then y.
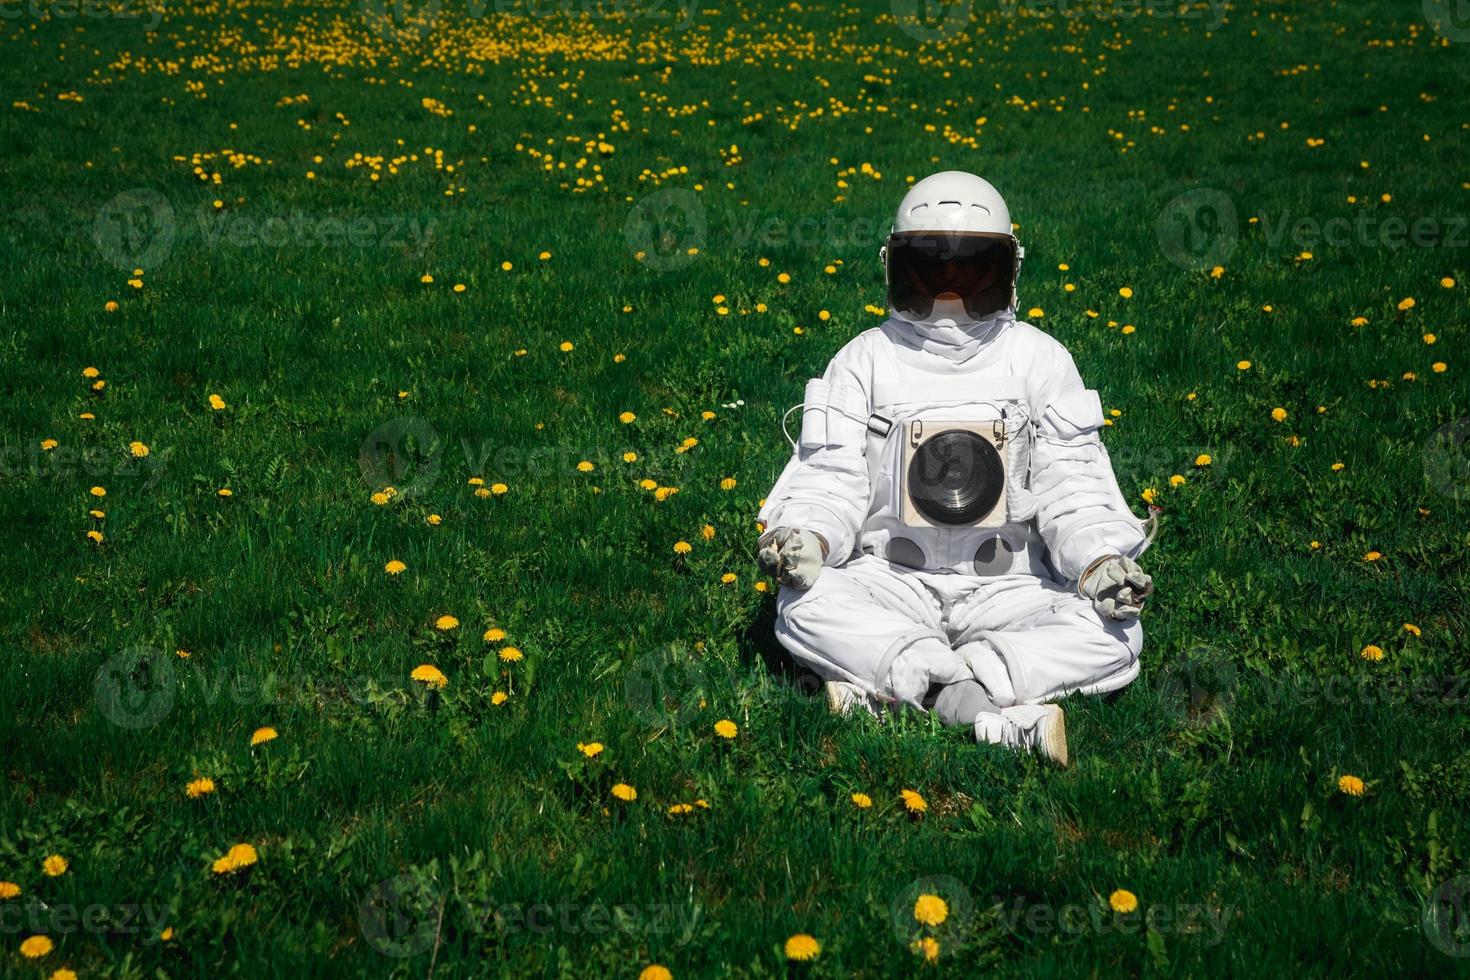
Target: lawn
{"type": "Point", "coordinates": [388, 397]}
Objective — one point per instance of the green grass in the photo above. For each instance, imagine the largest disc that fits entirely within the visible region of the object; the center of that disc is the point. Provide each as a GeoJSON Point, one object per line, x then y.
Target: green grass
{"type": "Point", "coordinates": [1209, 788]}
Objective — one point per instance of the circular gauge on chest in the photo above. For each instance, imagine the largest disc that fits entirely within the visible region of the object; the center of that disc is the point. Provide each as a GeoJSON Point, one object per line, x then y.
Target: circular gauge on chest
{"type": "Point", "coordinates": [955, 477]}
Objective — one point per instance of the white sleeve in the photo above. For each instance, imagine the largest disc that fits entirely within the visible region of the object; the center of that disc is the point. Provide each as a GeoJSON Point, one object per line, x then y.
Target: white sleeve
{"type": "Point", "coordinates": [1081, 513]}
{"type": "Point", "coordinates": [824, 487]}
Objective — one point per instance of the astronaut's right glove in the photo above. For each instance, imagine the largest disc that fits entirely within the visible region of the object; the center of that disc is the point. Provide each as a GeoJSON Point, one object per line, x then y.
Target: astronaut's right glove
{"type": "Point", "coordinates": [793, 555]}
{"type": "Point", "coordinates": [1116, 586]}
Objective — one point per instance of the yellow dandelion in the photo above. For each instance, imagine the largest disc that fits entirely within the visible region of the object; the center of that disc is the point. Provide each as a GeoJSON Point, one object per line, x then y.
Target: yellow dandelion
{"type": "Point", "coordinates": [433, 520]}
{"type": "Point", "coordinates": [262, 735]}
{"type": "Point", "coordinates": [1372, 556]}
{"type": "Point", "coordinates": [565, 346]}
{"type": "Point", "coordinates": [1278, 414]}
{"type": "Point", "coordinates": [499, 698]}
{"type": "Point", "coordinates": [590, 749]}
{"type": "Point", "coordinates": [1203, 459]}
{"type": "Point", "coordinates": [430, 675]}
{"type": "Point", "coordinates": [95, 537]}
{"type": "Point", "coordinates": [1242, 365]}
{"type": "Point", "coordinates": [36, 947]}
{"type": "Point", "coordinates": [217, 403]}
{"type": "Point", "coordinates": [930, 910]}
{"type": "Point", "coordinates": [1351, 785]}
{"type": "Point", "coordinates": [725, 728]}
{"type": "Point", "coordinates": [98, 491]}
{"type": "Point", "coordinates": [445, 623]}
{"type": "Point", "coordinates": [728, 578]}
{"type": "Point", "coordinates": [9, 890]}
{"type": "Point", "coordinates": [48, 444]}
{"type": "Point", "coordinates": [1123, 901]}
{"type": "Point", "coordinates": [1412, 630]}
{"type": "Point", "coordinates": [494, 634]}
{"type": "Point", "coordinates": [586, 466]}
{"type": "Point", "coordinates": [395, 567]}
{"type": "Point", "coordinates": [235, 859]}
{"type": "Point", "coordinates": [926, 946]}
{"type": "Point", "coordinates": [655, 971]}
{"type": "Point", "coordinates": [802, 947]}
{"type": "Point", "coordinates": [511, 655]}
{"type": "Point", "coordinates": [627, 418]}
{"type": "Point", "coordinates": [682, 547]}
{"type": "Point", "coordinates": [913, 802]}
{"type": "Point", "coordinates": [1372, 652]}
{"type": "Point", "coordinates": [1407, 303]}
{"type": "Point", "coordinates": [1177, 480]}
{"type": "Point", "coordinates": [54, 866]}
{"type": "Point", "coordinates": [199, 787]}
{"type": "Point", "coordinates": [1126, 292]}
{"type": "Point", "coordinates": [624, 792]}
{"type": "Point", "coordinates": [862, 801]}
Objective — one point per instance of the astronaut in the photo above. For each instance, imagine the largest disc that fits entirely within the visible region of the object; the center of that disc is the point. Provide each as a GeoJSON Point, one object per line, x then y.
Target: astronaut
{"type": "Point", "coordinates": [948, 533]}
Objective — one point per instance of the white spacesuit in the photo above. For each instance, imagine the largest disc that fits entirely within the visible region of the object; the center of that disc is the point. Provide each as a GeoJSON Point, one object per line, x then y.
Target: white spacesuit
{"type": "Point", "coordinates": [948, 532]}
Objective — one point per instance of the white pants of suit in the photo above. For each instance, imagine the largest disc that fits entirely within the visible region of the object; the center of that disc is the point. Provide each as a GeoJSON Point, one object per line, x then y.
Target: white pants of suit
{"type": "Point", "coordinates": [1028, 639]}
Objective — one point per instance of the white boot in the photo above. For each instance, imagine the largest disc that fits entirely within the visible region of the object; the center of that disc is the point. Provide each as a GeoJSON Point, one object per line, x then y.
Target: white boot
{"type": "Point", "coordinates": [844, 697]}
{"type": "Point", "coordinates": [1039, 728]}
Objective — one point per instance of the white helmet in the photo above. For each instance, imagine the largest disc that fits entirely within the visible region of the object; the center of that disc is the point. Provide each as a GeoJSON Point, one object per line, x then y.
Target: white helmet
{"type": "Point", "coordinates": [952, 242]}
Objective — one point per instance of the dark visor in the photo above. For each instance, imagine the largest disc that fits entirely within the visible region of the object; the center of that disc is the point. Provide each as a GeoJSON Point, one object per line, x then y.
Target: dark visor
{"type": "Point", "coordinates": [976, 268]}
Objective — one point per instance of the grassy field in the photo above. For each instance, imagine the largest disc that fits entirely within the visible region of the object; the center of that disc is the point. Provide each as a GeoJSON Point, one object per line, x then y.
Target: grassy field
{"type": "Point", "coordinates": [342, 307]}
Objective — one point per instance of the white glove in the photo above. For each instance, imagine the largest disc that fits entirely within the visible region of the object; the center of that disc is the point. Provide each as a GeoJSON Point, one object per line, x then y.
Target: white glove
{"type": "Point", "coordinates": [1116, 586]}
{"type": "Point", "coordinates": [793, 555]}
{"type": "Point", "coordinates": [916, 670]}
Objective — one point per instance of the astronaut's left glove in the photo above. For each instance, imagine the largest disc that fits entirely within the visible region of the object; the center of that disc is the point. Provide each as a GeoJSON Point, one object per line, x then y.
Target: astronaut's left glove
{"type": "Point", "coordinates": [1116, 586]}
{"type": "Point", "coordinates": [793, 555]}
